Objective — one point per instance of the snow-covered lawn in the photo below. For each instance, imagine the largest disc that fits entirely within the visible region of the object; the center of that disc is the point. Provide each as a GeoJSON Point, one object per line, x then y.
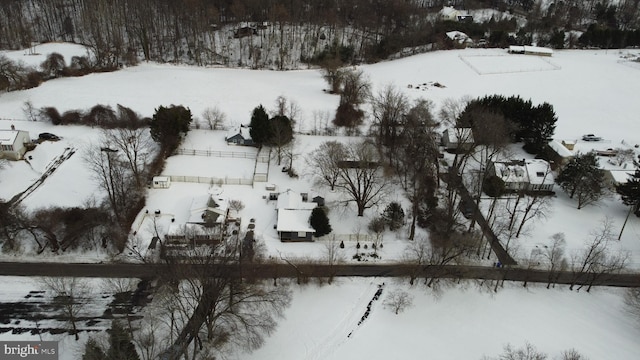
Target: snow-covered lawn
{"type": "Point", "coordinates": [462, 322]}
{"type": "Point", "coordinates": [456, 324]}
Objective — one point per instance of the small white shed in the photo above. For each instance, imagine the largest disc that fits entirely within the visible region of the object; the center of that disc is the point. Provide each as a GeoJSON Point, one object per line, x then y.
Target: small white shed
{"type": "Point", "coordinates": [161, 182]}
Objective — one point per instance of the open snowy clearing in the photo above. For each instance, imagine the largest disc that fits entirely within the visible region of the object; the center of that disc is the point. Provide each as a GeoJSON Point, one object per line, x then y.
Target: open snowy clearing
{"type": "Point", "coordinates": [463, 322]}
{"type": "Point", "coordinates": [37, 54]}
{"type": "Point", "coordinates": [459, 323]}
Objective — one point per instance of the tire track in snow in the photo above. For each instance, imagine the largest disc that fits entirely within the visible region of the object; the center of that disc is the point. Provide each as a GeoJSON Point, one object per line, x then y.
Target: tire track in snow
{"type": "Point", "coordinates": [340, 333]}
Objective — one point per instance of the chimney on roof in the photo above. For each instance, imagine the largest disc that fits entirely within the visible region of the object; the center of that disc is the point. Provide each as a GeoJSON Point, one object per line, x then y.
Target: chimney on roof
{"type": "Point", "coordinates": [13, 127]}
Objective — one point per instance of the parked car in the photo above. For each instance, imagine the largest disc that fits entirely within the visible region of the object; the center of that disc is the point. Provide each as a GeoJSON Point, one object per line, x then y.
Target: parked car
{"type": "Point", "coordinates": [466, 208]}
{"type": "Point", "coordinates": [48, 136]}
{"type": "Point", "coordinates": [591, 137]}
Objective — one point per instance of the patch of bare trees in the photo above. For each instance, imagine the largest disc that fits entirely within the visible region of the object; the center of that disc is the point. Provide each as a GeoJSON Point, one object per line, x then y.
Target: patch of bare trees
{"type": "Point", "coordinates": [215, 118]}
{"type": "Point", "coordinates": [597, 260]}
{"type": "Point", "coordinates": [530, 352]}
{"type": "Point", "coordinates": [70, 294]}
{"type": "Point", "coordinates": [206, 309]}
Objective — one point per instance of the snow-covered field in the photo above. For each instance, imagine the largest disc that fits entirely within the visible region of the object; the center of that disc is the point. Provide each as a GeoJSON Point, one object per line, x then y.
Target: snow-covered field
{"type": "Point", "coordinates": [460, 323]}
{"type": "Point", "coordinates": [591, 91]}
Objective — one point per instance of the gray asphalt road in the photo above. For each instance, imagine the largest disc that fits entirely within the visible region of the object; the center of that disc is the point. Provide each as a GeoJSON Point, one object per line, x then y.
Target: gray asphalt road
{"type": "Point", "coordinates": [268, 271]}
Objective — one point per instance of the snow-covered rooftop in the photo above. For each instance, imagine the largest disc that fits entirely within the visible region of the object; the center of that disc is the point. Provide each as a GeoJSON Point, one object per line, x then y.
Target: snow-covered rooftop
{"type": "Point", "coordinates": [294, 220]}
{"type": "Point", "coordinates": [532, 171]}
{"type": "Point", "coordinates": [8, 137]}
{"type": "Point", "coordinates": [530, 49]}
{"type": "Point", "coordinates": [291, 200]}
{"type": "Point", "coordinates": [242, 131]}
{"type": "Point", "coordinates": [560, 149]}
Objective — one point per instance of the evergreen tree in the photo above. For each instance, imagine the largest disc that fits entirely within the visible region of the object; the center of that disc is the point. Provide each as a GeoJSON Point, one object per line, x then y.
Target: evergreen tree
{"type": "Point", "coordinates": [169, 124]}
{"type": "Point", "coordinates": [320, 222]}
{"type": "Point", "coordinates": [260, 127]}
{"type": "Point", "coordinates": [393, 215]}
{"type": "Point", "coordinates": [630, 192]}
{"type": "Point", "coordinates": [583, 179]}
{"type": "Point", "coordinates": [539, 130]}
{"type": "Point", "coordinates": [93, 351]}
{"type": "Point", "coordinates": [532, 125]}
{"type": "Point", "coordinates": [121, 347]}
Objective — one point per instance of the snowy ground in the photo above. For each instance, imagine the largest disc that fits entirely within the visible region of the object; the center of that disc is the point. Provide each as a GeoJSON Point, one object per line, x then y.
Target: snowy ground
{"type": "Point", "coordinates": [463, 322]}
{"type": "Point", "coordinates": [459, 323]}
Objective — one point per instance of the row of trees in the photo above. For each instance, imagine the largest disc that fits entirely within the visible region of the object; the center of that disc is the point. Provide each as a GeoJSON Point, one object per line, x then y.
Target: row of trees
{"type": "Point", "coordinates": [280, 34]}
{"type": "Point", "coordinates": [103, 116]}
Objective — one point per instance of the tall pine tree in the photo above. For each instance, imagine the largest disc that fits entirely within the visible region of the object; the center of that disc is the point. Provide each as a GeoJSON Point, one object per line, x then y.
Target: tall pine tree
{"type": "Point", "coordinates": [320, 222]}
{"type": "Point", "coordinates": [630, 192]}
{"type": "Point", "coordinates": [260, 127]}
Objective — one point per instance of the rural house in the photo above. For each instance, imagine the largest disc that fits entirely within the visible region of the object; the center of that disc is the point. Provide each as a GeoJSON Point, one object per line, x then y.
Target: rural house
{"type": "Point", "coordinates": [240, 136]}
{"type": "Point", "coordinates": [208, 210]}
{"type": "Point", "coordinates": [528, 174]}
{"type": "Point", "coordinates": [456, 139]}
{"type": "Point", "coordinates": [13, 143]}
{"type": "Point", "coordinates": [293, 217]}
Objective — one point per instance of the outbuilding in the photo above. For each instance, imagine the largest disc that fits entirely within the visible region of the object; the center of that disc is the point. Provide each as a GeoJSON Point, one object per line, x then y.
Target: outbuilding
{"type": "Point", "coordinates": [161, 182]}
{"type": "Point", "coordinates": [13, 143]}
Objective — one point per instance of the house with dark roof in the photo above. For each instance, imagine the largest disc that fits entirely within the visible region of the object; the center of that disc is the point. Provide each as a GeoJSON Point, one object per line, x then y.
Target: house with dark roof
{"type": "Point", "coordinates": [240, 136]}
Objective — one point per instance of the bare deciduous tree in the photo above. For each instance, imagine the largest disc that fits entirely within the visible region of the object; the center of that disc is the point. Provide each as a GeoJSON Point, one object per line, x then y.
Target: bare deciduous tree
{"type": "Point", "coordinates": [324, 162]}
{"type": "Point", "coordinates": [389, 107]}
{"type": "Point", "coordinates": [554, 257]}
{"type": "Point", "coordinates": [360, 176]}
{"type": "Point", "coordinates": [209, 308]}
{"type": "Point", "coordinates": [596, 261]}
{"type": "Point", "coordinates": [398, 301]}
{"type": "Point", "coordinates": [215, 118]}
{"type": "Point", "coordinates": [135, 145]}
{"type": "Point", "coordinates": [333, 255]}
{"type": "Point", "coordinates": [527, 352]}
{"type": "Point", "coordinates": [71, 295]}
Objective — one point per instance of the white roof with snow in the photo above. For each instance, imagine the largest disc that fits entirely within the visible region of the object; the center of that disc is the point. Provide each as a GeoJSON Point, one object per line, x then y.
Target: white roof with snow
{"type": "Point", "coordinates": [201, 204]}
{"type": "Point", "coordinates": [8, 137]}
{"type": "Point", "coordinates": [294, 220]}
{"type": "Point", "coordinates": [530, 49]}
{"type": "Point", "coordinates": [458, 36]}
{"type": "Point", "coordinates": [560, 149]}
{"type": "Point", "coordinates": [161, 178]}
{"type": "Point", "coordinates": [532, 171]}
{"type": "Point", "coordinates": [242, 131]}
{"type": "Point", "coordinates": [539, 172]}
{"type": "Point", "coordinates": [291, 200]}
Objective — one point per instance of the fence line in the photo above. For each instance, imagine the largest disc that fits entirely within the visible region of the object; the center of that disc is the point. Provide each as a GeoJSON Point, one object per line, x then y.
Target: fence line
{"type": "Point", "coordinates": [351, 237]}
{"type": "Point", "coordinates": [216, 153]}
{"type": "Point", "coordinates": [210, 180]}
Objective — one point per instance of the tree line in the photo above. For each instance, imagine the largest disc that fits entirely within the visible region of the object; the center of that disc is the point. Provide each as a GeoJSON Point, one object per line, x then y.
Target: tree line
{"type": "Point", "coordinates": [285, 34]}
